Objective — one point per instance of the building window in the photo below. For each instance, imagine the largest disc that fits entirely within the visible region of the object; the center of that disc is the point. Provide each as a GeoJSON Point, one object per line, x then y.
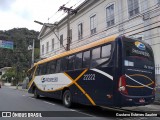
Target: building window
{"type": "Point", "coordinates": [61, 41]}
{"type": "Point", "coordinates": [80, 31]}
{"type": "Point", "coordinates": [52, 44]}
{"type": "Point", "coordinates": [42, 49]}
{"type": "Point", "coordinates": [133, 7]}
{"type": "Point", "coordinates": [93, 24]}
{"type": "Point", "coordinates": [47, 47]}
{"type": "Point", "coordinates": [110, 15]}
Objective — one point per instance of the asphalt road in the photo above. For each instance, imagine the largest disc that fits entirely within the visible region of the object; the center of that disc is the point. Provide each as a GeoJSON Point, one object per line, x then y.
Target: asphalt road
{"type": "Point", "coordinates": [19, 101]}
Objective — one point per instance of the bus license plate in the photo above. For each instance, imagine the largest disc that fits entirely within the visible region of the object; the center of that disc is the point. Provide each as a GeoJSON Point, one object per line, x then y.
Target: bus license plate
{"type": "Point", "coordinates": [142, 100]}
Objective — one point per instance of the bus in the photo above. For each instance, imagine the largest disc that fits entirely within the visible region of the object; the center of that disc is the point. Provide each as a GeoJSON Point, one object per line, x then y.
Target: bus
{"type": "Point", "coordinates": [115, 71]}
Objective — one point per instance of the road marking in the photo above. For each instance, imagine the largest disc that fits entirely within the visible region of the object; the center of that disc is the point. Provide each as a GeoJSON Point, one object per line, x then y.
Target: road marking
{"type": "Point", "coordinates": [32, 98]}
{"type": "Point", "coordinates": [70, 109]}
{"type": "Point", "coordinates": [48, 103]}
{"type": "Point", "coordinates": [23, 95]}
{"type": "Point", "coordinates": [82, 113]}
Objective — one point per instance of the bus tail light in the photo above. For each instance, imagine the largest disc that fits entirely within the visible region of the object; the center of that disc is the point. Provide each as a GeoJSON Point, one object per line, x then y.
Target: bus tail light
{"type": "Point", "coordinates": [122, 85]}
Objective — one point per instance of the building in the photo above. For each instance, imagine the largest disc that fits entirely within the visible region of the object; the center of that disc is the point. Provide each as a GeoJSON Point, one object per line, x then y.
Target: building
{"type": "Point", "coordinates": [96, 19]}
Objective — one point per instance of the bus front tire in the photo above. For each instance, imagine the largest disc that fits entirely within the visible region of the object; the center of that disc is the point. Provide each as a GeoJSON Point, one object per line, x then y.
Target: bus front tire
{"type": "Point", "coordinates": [35, 93]}
{"type": "Point", "coordinates": [67, 99]}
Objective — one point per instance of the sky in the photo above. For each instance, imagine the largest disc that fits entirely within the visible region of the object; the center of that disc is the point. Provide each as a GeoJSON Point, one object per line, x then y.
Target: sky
{"type": "Point", "coordinates": [22, 13]}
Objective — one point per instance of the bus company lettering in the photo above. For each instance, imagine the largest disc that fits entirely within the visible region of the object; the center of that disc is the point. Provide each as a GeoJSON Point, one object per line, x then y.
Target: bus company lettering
{"type": "Point", "coordinates": [55, 79]}
{"type": "Point", "coordinates": [141, 52]}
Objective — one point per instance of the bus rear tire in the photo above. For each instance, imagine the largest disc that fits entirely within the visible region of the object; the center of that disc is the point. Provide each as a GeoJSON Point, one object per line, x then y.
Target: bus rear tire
{"type": "Point", "coordinates": [36, 94]}
{"type": "Point", "coordinates": [67, 99]}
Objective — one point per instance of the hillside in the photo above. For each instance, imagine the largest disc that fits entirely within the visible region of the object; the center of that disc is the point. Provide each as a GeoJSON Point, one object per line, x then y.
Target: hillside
{"type": "Point", "coordinates": [20, 56]}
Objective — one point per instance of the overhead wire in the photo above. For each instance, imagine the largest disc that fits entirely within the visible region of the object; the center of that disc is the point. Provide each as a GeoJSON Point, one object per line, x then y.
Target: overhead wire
{"type": "Point", "coordinates": [119, 23]}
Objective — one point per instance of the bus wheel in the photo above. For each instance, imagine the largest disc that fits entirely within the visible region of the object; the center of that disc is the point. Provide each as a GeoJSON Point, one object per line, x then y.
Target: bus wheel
{"type": "Point", "coordinates": [67, 99]}
{"type": "Point", "coordinates": [35, 93]}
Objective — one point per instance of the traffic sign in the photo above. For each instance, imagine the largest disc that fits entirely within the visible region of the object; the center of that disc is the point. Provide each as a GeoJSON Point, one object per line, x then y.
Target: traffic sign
{"type": "Point", "coordinates": [6, 44]}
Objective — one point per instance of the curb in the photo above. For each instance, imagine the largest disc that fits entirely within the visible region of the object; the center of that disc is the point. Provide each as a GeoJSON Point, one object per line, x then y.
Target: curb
{"type": "Point", "coordinates": [156, 102]}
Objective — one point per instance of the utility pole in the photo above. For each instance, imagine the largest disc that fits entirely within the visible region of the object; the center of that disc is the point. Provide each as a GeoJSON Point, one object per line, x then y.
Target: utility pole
{"type": "Point", "coordinates": [69, 11]}
{"type": "Point", "coordinates": [33, 52]}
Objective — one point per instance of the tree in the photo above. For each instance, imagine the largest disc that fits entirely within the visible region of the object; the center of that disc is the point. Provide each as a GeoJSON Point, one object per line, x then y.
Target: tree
{"type": "Point", "coordinates": [9, 75]}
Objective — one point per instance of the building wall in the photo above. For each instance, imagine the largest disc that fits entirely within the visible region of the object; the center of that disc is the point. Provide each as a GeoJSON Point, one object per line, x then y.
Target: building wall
{"type": "Point", "coordinates": [143, 25]}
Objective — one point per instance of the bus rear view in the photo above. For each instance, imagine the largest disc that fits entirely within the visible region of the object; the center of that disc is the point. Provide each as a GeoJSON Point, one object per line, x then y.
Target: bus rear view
{"type": "Point", "coordinates": [136, 81]}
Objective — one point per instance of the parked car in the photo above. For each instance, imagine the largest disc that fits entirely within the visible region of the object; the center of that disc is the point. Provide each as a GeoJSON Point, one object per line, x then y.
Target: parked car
{"type": "Point", "coordinates": [0, 85]}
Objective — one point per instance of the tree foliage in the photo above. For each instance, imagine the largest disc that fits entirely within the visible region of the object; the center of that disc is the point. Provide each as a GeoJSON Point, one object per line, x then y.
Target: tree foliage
{"type": "Point", "coordinates": [20, 57]}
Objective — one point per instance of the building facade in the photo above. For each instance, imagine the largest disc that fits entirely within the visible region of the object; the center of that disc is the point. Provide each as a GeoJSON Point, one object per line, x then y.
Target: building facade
{"type": "Point", "coordinates": [96, 19]}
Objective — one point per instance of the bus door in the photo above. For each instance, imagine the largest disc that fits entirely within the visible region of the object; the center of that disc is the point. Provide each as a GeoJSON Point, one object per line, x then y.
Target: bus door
{"type": "Point", "coordinates": [137, 81]}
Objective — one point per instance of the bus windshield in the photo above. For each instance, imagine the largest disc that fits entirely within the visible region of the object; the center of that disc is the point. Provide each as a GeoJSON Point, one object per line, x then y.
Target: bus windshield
{"type": "Point", "coordinates": [138, 54]}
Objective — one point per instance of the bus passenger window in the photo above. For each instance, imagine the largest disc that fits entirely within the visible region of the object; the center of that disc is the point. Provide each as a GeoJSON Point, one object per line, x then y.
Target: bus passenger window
{"type": "Point", "coordinates": [64, 63]}
{"type": "Point", "coordinates": [106, 50]}
{"type": "Point", "coordinates": [52, 67]}
{"type": "Point", "coordinates": [71, 62]}
{"type": "Point", "coordinates": [43, 69]}
{"type": "Point", "coordinates": [86, 59]}
{"type": "Point", "coordinates": [78, 61]}
{"type": "Point", "coordinates": [37, 71]}
{"type": "Point", "coordinates": [48, 67]}
{"type": "Point", "coordinates": [58, 67]}
{"type": "Point", "coordinates": [96, 53]}
{"type": "Point", "coordinates": [40, 70]}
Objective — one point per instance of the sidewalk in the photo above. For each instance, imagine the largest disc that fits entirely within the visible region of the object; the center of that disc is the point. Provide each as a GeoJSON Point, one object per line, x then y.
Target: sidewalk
{"type": "Point", "coordinates": [15, 88]}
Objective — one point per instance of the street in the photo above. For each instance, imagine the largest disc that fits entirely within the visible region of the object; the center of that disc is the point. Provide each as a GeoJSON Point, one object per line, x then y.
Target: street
{"type": "Point", "coordinates": [21, 101]}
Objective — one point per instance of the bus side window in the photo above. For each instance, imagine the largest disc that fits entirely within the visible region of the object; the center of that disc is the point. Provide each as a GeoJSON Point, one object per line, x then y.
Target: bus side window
{"type": "Point", "coordinates": [106, 51]}
{"type": "Point", "coordinates": [78, 61]}
{"type": "Point", "coordinates": [71, 62]}
{"type": "Point", "coordinates": [52, 67]}
{"type": "Point", "coordinates": [48, 67]}
{"type": "Point", "coordinates": [43, 69]}
{"type": "Point", "coordinates": [100, 55]}
{"type": "Point", "coordinates": [64, 63]}
{"type": "Point", "coordinates": [96, 53]}
{"type": "Point", "coordinates": [37, 71]}
{"type": "Point", "coordinates": [58, 66]}
{"type": "Point", "coordinates": [86, 59]}
{"type": "Point", "coordinates": [40, 70]}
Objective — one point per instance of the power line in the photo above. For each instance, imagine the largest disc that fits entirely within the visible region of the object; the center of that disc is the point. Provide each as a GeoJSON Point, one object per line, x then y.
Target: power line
{"type": "Point", "coordinates": [58, 11]}
{"type": "Point", "coordinates": [127, 20]}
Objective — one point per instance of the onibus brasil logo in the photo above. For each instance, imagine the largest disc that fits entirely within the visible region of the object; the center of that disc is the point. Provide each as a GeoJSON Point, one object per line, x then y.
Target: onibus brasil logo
{"type": "Point", "coordinates": [140, 45]}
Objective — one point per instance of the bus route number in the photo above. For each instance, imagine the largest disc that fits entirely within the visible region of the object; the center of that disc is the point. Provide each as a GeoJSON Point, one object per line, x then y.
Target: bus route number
{"type": "Point", "coordinates": [89, 77]}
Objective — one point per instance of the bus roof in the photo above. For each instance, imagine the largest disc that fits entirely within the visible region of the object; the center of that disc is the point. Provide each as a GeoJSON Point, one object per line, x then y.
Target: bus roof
{"type": "Point", "coordinates": [76, 50]}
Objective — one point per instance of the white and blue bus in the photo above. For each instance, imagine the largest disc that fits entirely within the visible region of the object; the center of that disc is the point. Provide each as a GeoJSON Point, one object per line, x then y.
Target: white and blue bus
{"type": "Point", "coordinates": [114, 71]}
